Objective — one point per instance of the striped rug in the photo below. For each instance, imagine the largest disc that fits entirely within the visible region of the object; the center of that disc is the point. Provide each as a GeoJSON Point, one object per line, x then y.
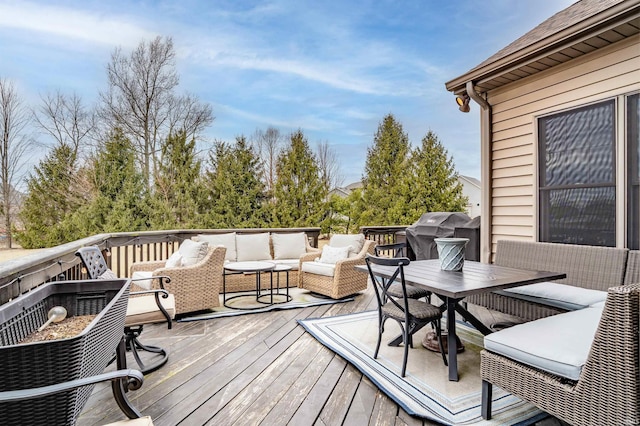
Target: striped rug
{"type": "Point", "coordinates": [425, 391]}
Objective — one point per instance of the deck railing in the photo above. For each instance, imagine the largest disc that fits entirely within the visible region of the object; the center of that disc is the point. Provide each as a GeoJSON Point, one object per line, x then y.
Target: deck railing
{"type": "Point", "coordinates": [18, 276]}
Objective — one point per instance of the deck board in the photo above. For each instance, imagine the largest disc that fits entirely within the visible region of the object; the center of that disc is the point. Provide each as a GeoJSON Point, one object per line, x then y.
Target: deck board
{"type": "Point", "coordinates": [259, 369]}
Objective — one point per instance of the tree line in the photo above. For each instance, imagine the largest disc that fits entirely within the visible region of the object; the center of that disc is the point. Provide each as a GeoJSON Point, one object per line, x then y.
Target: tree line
{"type": "Point", "coordinates": [132, 164]}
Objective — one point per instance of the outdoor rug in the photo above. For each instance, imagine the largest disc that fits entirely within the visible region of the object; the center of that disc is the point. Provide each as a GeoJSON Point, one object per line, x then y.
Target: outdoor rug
{"type": "Point", "coordinates": [300, 299]}
{"type": "Point", "coordinates": [425, 391]}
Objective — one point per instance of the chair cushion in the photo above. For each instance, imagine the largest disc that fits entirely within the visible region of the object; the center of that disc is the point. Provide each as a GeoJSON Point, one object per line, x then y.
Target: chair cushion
{"type": "Point", "coordinates": [227, 240]}
{"type": "Point", "coordinates": [558, 344]}
{"type": "Point", "coordinates": [346, 240]}
{"type": "Point", "coordinates": [334, 254]}
{"type": "Point", "coordinates": [143, 279]}
{"type": "Point", "coordinates": [289, 246]}
{"type": "Point", "coordinates": [142, 421]}
{"type": "Point", "coordinates": [193, 252]}
{"type": "Point", "coordinates": [319, 268]}
{"type": "Point", "coordinates": [418, 309]}
{"type": "Point", "coordinates": [174, 260]}
{"type": "Point", "coordinates": [560, 295]}
{"type": "Point", "coordinates": [253, 247]}
{"type": "Point", "coordinates": [144, 310]}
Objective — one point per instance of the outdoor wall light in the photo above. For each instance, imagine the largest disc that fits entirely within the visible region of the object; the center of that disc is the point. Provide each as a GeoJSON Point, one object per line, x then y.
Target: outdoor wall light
{"type": "Point", "coordinates": [463, 102]}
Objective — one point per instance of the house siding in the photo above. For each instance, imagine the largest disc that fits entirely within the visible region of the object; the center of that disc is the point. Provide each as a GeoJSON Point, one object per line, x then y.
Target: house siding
{"type": "Point", "coordinates": [599, 75]}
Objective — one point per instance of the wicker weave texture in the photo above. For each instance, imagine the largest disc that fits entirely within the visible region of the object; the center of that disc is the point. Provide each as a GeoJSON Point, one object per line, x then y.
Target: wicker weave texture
{"type": "Point", "coordinates": [608, 391]}
{"type": "Point", "coordinates": [195, 287]}
{"type": "Point", "coordinates": [347, 280]}
{"type": "Point", "coordinates": [57, 361]}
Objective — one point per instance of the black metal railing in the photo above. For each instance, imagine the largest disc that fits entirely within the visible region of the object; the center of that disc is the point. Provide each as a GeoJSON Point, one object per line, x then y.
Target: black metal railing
{"type": "Point", "coordinates": [18, 276]}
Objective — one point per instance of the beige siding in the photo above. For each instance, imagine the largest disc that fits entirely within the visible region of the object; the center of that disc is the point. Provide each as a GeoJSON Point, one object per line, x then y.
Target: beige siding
{"type": "Point", "coordinates": [594, 77]}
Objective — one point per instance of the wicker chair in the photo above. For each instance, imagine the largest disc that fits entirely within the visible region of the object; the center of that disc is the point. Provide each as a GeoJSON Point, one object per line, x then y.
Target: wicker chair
{"type": "Point", "coordinates": [346, 280]}
{"type": "Point", "coordinates": [608, 389]}
{"type": "Point", "coordinates": [196, 287]}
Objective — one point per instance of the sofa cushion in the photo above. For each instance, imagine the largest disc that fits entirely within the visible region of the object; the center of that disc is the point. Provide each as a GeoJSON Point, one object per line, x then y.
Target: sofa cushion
{"type": "Point", "coordinates": [356, 241]}
{"type": "Point", "coordinates": [253, 247]}
{"type": "Point", "coordinates": [193, 252]}
{"type": "Point", "coordinates": [144, 309]}
{"type": "Point", "coordinates": [319, 268]}
{"type": "Point", "coordinates": [293, 263]}
{"type": "Point", "coordinates": [559, 295]}
{"type": "Point", "coordinates": [558, 344]}
{"type": "Point", "coordinates": [289, 246]}
{"type": "Point", "coordinates": [227, 240]}
{"type": "Point", "coordinates": [334, 254]}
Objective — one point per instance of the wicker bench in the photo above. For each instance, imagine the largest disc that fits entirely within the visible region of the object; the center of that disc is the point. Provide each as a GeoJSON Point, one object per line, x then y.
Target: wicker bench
{"type": "Point", "coordinates": [590, 270]}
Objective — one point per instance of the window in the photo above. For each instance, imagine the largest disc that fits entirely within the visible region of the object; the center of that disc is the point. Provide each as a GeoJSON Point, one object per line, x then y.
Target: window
{"type": "Point", "coordinates": [632, 123]}
{"type": "Point", "coordinates": [577, 176]}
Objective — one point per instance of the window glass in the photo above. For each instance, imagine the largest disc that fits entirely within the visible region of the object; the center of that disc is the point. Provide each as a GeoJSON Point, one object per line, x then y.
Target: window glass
{"type": "Point", "coordinates": [633, 175]}
{"type": "Point", "coordinates": [577, 176]}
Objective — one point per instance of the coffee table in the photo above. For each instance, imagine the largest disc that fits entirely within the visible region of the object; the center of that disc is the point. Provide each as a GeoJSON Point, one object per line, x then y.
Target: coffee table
{"type": "Point", "coordinates": [279, 268]}
{"type": "Point", "coordinates": [452, 287]}
{"type": "Point", "coordinates": [256, 267]}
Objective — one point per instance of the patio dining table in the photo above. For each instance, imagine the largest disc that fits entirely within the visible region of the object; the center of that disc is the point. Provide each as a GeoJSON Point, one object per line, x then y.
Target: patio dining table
{"type": "Point", "coordinates": [452, 287]}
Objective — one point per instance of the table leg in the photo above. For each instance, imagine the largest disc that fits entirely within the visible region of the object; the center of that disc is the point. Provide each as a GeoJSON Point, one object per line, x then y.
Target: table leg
{"type": "Point", "coordinates": [473, 320]}
{"type": "Point", "coordinates": [451, 339]}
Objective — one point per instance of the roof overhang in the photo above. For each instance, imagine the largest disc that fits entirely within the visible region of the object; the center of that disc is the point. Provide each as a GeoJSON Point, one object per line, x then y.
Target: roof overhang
{"type": "Point", "coordinates": [600, 30]}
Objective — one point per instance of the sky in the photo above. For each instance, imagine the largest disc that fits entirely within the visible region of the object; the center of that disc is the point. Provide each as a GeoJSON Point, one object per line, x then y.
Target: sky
{"type": "Point", "coordinates": [333, 68]}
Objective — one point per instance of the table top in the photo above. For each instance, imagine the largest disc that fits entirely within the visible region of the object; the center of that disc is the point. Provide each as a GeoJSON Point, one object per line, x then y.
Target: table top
{"type": "Point", "coordinates": [474, 278]}
{"type": "Point", "coordinates": [280, 267]}
{"type": "Point", "coordinates": [250, 266]}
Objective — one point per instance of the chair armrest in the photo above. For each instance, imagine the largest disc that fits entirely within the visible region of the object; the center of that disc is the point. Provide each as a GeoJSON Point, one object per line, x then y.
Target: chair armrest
{"type": "Point", "coordinates": [162, 279]}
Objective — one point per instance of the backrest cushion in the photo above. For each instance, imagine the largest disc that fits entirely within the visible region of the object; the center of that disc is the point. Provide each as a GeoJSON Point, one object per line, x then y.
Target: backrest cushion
{"type": "Point", "coordinates": [356, 241]}
{"type": "Point", "coordinates": [227, 240]}
{"type": "Point", "coordinates": [288, 246]}
{"type": "Point", "coordinates": [193, 252]}
{"type": "Point", "coordinates": [333, 254]}
{"type": "Point", "coordinates": [174, 260]}
{"type": "Point", "coordinates": [253, 247]}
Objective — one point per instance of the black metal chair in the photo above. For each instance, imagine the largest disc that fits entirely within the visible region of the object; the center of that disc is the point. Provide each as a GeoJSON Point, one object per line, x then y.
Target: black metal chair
{"type": "Point", "coordinates": [410, 314]}
{"type": "Point", "coordinates": [145, 307]}
{"type": "Point", "coordinates": [395, 289]}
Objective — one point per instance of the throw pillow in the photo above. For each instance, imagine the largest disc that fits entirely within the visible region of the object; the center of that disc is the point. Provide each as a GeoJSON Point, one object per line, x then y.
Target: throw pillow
{"type": "Point", "coordinates": [253, 247]}
{"type": "Point", "coordinates": [108, 275]}
{"type": "Point", "coordinates": [334, 254]}
{"type": "Point", "coordinates": [227, 240]}
{"type": "Point", "coordinates": [289, 246]}
{"type": "Point", "coordinates": [193, 252]}
{"type": "Point", "coordinates": [174, 260]}
{"type": "Point", "coordinates": [344, 240]}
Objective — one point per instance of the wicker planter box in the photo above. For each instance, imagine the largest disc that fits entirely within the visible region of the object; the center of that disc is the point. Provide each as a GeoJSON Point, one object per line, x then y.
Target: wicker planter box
{"type": "Point", "coordinates": [50, 362]}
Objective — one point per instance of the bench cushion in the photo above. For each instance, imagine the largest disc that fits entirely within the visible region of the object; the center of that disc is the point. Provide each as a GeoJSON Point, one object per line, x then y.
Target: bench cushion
{"type": "Point", "coordinates": [557, 344]}
{"type": "Point", "coordinates": [289, 246]}
{"type": "Point", "coordinates": [563, 296]}
{"type": "Point", "coordinates": [253, 247]}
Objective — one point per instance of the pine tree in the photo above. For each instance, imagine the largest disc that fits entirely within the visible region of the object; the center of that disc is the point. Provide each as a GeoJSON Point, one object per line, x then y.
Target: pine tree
{"type": "Point", "coordinates": [51, 197]}
{"type": "Point", "coordinates": [235, 192]}
{"type": "Point", "coordinates": [434, 181]}
{"type": "Point", "coordinates": [299, 192]}
{"type": "Point", "coordinates": [178, 187]}
{"type": "Point", "coordinates": [384, 174]}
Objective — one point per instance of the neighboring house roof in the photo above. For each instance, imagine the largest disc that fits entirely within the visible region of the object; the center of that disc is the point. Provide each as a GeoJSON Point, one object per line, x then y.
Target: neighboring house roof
{"type": "Point", "coordinates": [345, 191]}
{"type": "Point", "coordinates": [581, 28]}
{"type": "Point", "coordinates": [354, 185]}
{"type": "Point", "coordinates": [473, 181]}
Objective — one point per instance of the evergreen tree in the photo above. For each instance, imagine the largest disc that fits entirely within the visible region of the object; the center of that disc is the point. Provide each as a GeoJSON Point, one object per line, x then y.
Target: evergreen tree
{"type": "Point", "coordinates": [51, 196]}
{"type": "Point", "coordinates": [236, 193]}
{"type": "Point", "coordinates": [299, 192]}
{"type": "Point", "coordinates": [434, 181]}
{"type": "Point", "coordinates": [178, 186]}
{"type": "Point", "coordinates": [120, 200]}
{"type": "Point", "coordinates": [384, 174]}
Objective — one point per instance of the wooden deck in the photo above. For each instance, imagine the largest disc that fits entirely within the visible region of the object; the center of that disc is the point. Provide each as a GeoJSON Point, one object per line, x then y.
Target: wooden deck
{"type": "Point", "coordinates": [254, 369]}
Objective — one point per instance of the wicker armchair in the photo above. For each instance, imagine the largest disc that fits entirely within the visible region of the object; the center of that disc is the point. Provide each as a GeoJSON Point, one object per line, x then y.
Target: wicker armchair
{"type": "Point", "coordinates": [608, 389]}
{"type": "Point", "coordinates": [346, 280]}
{"type": "Point", "coordinates": [195, 287]}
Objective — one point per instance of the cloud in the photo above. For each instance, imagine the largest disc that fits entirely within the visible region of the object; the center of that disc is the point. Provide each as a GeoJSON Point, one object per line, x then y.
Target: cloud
{"type": "Point", "coordinates": [80, 25]}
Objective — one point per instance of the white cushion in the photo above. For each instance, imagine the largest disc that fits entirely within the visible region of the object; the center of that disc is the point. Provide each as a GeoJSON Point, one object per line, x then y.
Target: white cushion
{"type": "Point", "coordinates": [356, 241]}
{"type": "Point", "coordinates": [253, 247]}
{"type": "Point", "coordinates": [227, 240]}
{"type": "Point", "coordinates": [333, 254]}
{"type": "Point", "coordinates": [558, 344]}
{"type": "Point", "coordinates": [289, 246]}
{"type": "Point", "coordinates": [326, 269]}
{"type": "Point", "coordinates": [294, 263]}
{"type": "Point", "coordinates": [108, 275]}
{"type": "Point", "coordinates": [143, 279]}
{"type": "Point", "coordinates": [144, 309]}
{"type": "Point", "coordinates": [193, 252]}
{"type": "Point", "coordinates": [599, 305]}
{"type": "Point", "coordinates": [174, 260]}
{"type": "Point", "coordinates": [582, 297]}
